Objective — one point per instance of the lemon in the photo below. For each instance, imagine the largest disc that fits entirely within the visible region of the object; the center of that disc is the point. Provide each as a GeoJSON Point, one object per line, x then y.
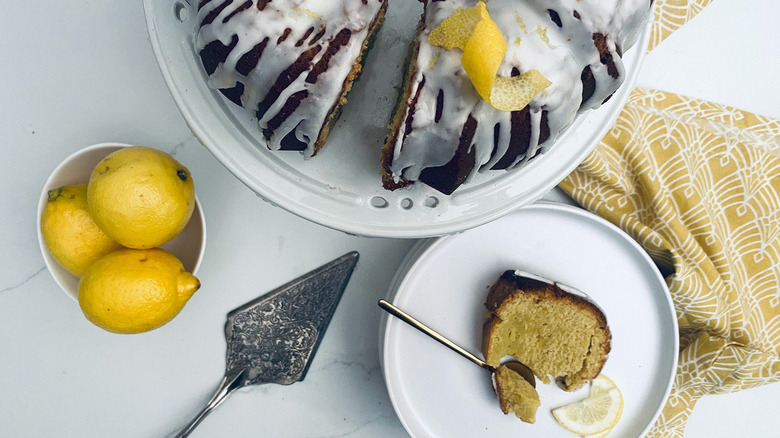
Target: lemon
{"type": "Point", "coordinates": [135, 290]}
{"type": "Point", "coordinates": [140, 196]}
{"type": "Point", "coordinates": [597, 414]}
{"type": "Point", "coordinates": [477, 35]}
{"type": "Point", "coordinates": [73, 238]}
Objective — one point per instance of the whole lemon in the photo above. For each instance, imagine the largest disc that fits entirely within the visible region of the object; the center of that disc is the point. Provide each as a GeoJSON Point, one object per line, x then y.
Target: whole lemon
{"type": "Point", "coordinates": [140, 196]}
{"type": "Point", "coordinates": [135, 290]}
{"type": "Point", "coordinates": [69, 232]}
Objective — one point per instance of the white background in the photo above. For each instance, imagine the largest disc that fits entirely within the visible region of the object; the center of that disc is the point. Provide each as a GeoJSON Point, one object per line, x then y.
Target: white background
{"type": "Point", "coordinates": [82, 72]}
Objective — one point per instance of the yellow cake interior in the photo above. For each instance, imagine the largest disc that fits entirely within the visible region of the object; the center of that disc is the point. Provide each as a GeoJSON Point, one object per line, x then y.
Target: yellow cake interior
{"type": "Point", "coordinates": [557, 334]}
{"type": "Point", "coordinates": [516, 394]}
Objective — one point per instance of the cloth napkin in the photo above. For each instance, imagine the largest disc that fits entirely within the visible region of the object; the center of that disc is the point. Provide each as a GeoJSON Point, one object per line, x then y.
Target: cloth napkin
{"type": "Point", "coordinates": [697, 184]}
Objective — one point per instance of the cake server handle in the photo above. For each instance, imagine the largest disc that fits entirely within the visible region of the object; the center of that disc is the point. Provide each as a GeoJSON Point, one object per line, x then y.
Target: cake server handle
{"type": "Point", "coordinates": [405, 317]}
{"type": "Point", "coordinates": [226, 387]}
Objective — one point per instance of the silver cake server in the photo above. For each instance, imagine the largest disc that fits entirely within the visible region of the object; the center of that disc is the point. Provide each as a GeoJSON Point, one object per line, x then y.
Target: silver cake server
{"type": "Point", "coordinates": [273, 338]}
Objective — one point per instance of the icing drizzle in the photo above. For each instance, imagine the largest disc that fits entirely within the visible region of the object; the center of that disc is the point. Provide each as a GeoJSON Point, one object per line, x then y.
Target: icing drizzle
{"type": "Point", "coordinates": [570, 42]}
{"type": "Point", "coordinates": [286, 60]}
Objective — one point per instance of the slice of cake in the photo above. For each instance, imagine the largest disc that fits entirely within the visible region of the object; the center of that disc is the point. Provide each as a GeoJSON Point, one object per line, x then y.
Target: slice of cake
{"type": "Point", "coordinates": [556, 333]}
{"type": "Point", "coordinates": [516, 395]}
{"type": "Point", "coordinates": [290, 62]}
{"type": "Point", "coordinates": [443, 132]}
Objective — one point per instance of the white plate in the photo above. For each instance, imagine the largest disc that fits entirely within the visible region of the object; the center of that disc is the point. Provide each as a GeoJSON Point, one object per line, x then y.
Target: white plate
{"type": "Point", "coordinates": [340, 187]}
{"type": "Point", "coordinates": [444, 282]}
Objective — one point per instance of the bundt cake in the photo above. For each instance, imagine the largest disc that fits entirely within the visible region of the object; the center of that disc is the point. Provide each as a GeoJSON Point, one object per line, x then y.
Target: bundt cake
{"type": "Point", "coordinates": [290, 62]}
{"type": "Point", "coordinates": [515, 394]}
{"type": "Point", "coordinates": [443, 132]}
{"type": "Point", "coordinates": [554, 332]}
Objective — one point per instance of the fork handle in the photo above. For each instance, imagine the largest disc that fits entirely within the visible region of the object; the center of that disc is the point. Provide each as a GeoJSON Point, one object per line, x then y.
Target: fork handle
{"type": "Point", "coordinates": [409, 319]}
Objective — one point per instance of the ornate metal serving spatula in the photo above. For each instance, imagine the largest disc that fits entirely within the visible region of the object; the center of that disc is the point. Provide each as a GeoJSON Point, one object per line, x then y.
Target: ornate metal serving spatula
{"type": "Point", "coordinates": [273, 338]}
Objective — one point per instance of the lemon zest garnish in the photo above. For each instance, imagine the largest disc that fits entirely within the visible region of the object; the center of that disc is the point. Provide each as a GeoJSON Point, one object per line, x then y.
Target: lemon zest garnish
{"type": "Point", "coordinates": [477, 35]}
{"type": "Point", "coordinates": [308, 12]}
{"type": "Point", "coordinates": [521, 23]}
{"type": "Point", "coordinates": [507, 92]}
{"type": "Point", "coordinates": [542, 32]}
{"type": "Point", "coordinates": [434, 60]}
{"type": "Point", "coordinates": [482, 55]}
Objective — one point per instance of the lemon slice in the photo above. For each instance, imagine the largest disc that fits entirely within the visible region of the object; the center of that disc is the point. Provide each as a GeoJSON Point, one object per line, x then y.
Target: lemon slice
{"type": "Point", "coordinates": [597, 414]}
{"type": "Point", "coordinates": [477, 35]}
{"type": "Point", "coordinates": [601, 384]}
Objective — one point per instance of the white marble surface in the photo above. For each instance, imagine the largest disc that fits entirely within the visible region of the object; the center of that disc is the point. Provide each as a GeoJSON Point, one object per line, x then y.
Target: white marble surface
{"type": "Point", "coordinates": [82, 72]}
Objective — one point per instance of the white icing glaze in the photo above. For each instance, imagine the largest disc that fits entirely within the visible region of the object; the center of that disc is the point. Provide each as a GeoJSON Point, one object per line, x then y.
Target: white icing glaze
{"type": "Point", "coordinates": [253, 26]}
{"type": "Point", "coordinates": [534, 41]}
{"type": "Point", "coordinates": [564, 287]}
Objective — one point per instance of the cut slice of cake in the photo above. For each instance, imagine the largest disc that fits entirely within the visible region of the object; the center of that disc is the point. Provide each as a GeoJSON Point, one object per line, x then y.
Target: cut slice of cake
{"type": "Point", "coordinates": [516, 395]}
{"type": "Point", "coordinates": [556, 333]}
{"type": "Point", "coordinates": [443, 133]}
{"type": "Point", "coordinates": [290, 62]}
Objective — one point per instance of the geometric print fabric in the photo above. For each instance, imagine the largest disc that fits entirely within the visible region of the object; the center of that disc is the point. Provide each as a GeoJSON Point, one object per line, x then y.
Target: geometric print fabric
{"type": "Point", "coordinates": [697, 184]}
{"type": "Point", "coordinates": [670, 15]}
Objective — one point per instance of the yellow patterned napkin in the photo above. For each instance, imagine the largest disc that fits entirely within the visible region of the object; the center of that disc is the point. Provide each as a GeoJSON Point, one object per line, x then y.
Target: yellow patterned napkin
{"type": "Point", "coordinates": [670, 15]}
{"type": "Point", "coordinates": [698, 186]}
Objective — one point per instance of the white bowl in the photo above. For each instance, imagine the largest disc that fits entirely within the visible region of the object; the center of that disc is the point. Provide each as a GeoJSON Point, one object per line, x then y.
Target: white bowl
{"type": "Point", "coordinates": [188, 246]}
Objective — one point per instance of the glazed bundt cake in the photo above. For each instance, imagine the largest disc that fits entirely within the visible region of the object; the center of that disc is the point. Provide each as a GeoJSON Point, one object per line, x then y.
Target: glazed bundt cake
{"type": "Point", "coordinates": [554, 332]}
{"type": "Point", "coordinates": [290, 62]}
{"type": "Point", "coordinates": [516, 395]}
{"type": "Point", "coordinates": [443, 132]}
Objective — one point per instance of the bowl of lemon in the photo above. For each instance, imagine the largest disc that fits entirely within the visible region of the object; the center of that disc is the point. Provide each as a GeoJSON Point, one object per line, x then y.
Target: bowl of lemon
{"type": "Point", "coordinates": [123, 233]}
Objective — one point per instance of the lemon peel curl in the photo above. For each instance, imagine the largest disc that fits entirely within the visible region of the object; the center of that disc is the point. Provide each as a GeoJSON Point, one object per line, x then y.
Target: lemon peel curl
{"type": "Point", "coordinates": [477, 35]}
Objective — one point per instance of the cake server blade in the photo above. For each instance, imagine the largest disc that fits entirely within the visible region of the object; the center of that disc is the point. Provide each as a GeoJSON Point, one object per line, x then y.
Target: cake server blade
{"type": "Point", "coordinates": [273, 338]}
